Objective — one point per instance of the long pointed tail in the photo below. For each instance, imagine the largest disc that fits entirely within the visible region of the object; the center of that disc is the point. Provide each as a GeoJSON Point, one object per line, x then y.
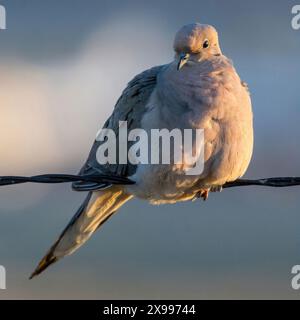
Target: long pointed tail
{"type": "Point", "coordinates": [95, 210]}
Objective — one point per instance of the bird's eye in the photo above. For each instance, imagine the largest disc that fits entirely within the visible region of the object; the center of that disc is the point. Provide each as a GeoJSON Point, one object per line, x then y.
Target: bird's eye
{"type": "Point", "coordinates": [205, 44]}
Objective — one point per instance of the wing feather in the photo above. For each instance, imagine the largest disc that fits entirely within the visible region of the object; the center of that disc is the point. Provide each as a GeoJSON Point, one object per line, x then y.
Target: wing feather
{"type": "Point", "coordinates": [130, 107]}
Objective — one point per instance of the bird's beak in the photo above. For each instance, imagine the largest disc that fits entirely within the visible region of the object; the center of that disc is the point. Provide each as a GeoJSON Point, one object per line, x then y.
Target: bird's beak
{"type": "Point", "coordinates": [183, 59]}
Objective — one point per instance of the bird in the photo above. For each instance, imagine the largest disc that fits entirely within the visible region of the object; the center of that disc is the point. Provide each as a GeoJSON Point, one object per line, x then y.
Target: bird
{"type": "Point", "coordinates": [199, 88]}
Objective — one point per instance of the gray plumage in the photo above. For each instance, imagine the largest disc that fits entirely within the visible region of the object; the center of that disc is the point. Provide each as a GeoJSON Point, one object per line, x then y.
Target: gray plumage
{"type": "Point", "coordinates": [206, 93]}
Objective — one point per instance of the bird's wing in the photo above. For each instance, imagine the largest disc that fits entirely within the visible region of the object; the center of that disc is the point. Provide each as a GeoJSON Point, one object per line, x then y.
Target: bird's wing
{"type": "Point", "coordinates": [130, 107]}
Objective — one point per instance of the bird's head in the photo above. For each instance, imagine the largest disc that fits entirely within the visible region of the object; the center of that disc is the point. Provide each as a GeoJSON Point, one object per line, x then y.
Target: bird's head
{"type": "Point", "coordinates": [196, 42]}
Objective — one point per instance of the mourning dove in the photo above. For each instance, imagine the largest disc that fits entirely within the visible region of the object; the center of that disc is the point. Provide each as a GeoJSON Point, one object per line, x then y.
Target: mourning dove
{"type": "Point", "coordinates": [198, 89]}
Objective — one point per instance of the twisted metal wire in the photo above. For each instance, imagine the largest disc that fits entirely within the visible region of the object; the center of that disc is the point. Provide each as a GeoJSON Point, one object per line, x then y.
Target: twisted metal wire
{"type": "Point", "coordinates": [62, 178]}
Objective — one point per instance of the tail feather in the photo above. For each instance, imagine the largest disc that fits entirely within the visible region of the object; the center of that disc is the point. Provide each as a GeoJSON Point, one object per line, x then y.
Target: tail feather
{"type": "Point", "coordinates": [43, 264]}
{"type": "Point", "coordinates": [97, 208]}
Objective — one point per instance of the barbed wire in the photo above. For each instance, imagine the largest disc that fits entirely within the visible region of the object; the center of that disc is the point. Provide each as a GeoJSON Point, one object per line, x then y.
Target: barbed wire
{"type": "Point", "coordinates": [62, 178]}
{"type": "Point", "coordinates": [117, 180]}
{"type": "Point", "coordinates": [278, 182]}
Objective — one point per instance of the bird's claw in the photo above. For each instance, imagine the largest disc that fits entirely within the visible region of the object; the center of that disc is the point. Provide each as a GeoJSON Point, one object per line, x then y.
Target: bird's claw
{"type": "Point", "coordinates": [202, 194]}
{"type": "Point", "coordinates": [216, 188]}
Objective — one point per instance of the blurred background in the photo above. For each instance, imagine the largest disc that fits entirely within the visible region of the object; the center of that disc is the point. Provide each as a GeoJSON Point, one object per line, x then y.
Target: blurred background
{"type": "Point", "coordinates": [63, 64]}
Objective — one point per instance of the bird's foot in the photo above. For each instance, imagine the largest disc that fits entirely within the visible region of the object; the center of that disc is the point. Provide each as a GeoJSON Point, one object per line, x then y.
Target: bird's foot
{"type": "Point", "coordinates": [216, 188]}
{"type": "Point", "coordinates": [203, 193]}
